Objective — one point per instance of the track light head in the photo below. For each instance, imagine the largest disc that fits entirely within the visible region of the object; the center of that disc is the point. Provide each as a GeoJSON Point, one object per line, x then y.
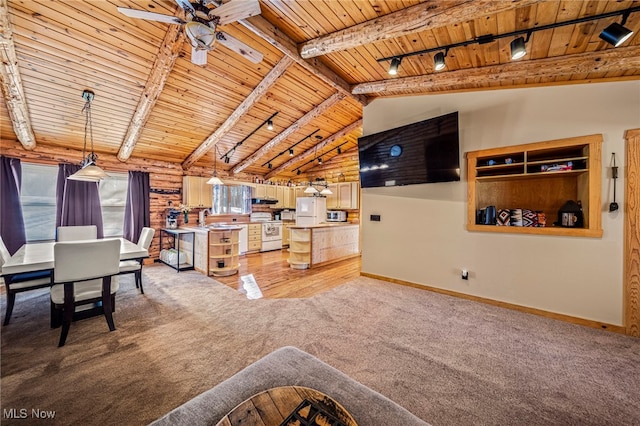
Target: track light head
{"type": "Point", "coordinates": [298, 172]}
{"type": "Point", "coordinates": [269, 124]}
{"type": "Point", "coordinates": [395, 63]}
{"type": "Point", "coordinates": [518, 48]}
{"type": "Point", "coordinates": [615, 34]}
{"type": "Point", "coordinates": [269, 166]}
{"type": "Point", "coordinates": [438, 61]}
{"type": "Point", "coordinates": [320, 160]}
{"type": "Point", "coordinates": [291, 152]}
{"type": "Point", "coordinates": [339, 150]}
{"type": "Point", "coordinates": [226, 160]}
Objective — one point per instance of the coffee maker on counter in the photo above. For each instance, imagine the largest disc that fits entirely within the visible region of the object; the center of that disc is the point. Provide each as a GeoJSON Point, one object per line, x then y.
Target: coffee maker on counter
{"type": "Point", "coordinates": [172, 219]}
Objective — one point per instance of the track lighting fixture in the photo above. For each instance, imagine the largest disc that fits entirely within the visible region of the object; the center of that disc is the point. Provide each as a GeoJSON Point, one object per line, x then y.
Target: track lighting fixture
{"type": "Point", "coordinates": [298, 172]}
{"type": "Point", "coordinates": [269, 166]}
{"type": "Point", "coordinates": [339, 150]}
{"type": "Point", "coordinates": [616, 34]}
{"type": "Point", "coordinates": [438, 61]}
{"type": "Point", "coordinates": [290, 152]}
{"type": "Point", "coordinates": [395, 63]}
{"type": "Point", "coordinates": [226, 159]}
{"type": "Point", "coordinates": [518, 48]}
{"type": "Point", "coordinates": [269, 124]}
{"type": "Point", "coordinates": [319, 160]}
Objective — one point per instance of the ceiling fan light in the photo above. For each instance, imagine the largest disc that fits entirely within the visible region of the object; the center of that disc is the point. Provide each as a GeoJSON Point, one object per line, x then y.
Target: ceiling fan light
{"type": "Point", "coordinates": [615, 34]}
{"type": "Point", "coordinates": [518, 48]}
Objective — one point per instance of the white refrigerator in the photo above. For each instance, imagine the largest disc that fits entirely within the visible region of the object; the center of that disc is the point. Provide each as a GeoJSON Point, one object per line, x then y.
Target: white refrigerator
{"type": "Point", "coordinates": [311, 210]}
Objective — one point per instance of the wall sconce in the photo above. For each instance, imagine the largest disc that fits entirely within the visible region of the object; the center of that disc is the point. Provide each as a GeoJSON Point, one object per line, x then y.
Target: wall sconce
{"type": "Point", "coordinates": [395, 63]}
{"type": "Point", "coordinates": [616, 34]}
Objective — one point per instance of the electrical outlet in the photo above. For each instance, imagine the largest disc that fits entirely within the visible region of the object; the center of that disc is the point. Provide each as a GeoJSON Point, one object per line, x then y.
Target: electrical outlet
{"type": "Point", "coordinates": [465, 274]}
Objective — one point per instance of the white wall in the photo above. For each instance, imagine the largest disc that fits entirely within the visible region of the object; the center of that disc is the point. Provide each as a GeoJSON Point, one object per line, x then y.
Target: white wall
{"type": "Point", "coordinates": [422, 237]}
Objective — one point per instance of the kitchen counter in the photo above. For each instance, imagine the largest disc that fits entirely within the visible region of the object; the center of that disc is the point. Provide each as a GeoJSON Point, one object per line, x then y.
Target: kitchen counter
{"type": "Point", "coordinates": [324, 243]}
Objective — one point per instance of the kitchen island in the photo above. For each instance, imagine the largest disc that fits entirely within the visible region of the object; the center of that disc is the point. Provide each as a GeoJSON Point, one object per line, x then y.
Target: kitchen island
{"type": "Point", "coordinates": [321, 244]}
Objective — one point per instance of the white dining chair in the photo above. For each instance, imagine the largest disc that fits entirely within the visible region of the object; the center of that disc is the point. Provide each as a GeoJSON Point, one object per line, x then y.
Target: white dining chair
{"type": "Point", "coordinates": [134, 266]}
{"type": "Point", "coordinates": [85, 273]}
{"type": "Point", "coordinates": [76, 233]}
{"type": "Point", "coordinates": [18, 283]}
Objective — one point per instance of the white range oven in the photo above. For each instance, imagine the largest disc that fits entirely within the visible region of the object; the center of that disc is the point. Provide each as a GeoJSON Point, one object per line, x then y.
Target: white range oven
{"type": "Point", "coordinates": [271, 231]}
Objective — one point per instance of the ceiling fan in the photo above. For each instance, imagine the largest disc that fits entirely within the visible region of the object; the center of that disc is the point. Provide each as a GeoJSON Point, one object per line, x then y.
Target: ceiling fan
{"type": "Point", "coordinates": [202, 20]}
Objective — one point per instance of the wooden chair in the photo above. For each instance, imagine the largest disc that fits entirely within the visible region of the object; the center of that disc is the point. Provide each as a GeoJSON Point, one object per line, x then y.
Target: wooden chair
{"type": "Point", "coordinates": [83, 274]}
{"type": "Point", "coordinates": [76, 233]}
{"type": "Point", "coordinates": [134, 266]}
{"type": "Point", "coordinates": [18, 283]}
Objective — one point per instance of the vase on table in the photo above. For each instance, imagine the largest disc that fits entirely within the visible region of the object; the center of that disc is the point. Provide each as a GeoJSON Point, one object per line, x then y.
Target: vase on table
{"type": "Point", "coordinates": [186, 218]}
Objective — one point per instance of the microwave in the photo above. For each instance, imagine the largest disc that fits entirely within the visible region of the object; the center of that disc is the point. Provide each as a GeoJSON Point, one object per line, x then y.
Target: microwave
{"type": "Point", "coordinates": [336, 216]}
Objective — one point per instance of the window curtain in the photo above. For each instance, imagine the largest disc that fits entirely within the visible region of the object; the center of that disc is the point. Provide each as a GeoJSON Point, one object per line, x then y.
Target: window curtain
{"type": "Point", "coordinates": [77, 203]}
{"type": "Point", "coordinates": [137, 211]}
{"type": "Point", "coordinates": [11, 218]}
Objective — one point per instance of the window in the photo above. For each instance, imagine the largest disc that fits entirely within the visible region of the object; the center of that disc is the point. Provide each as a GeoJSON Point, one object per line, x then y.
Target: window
{"type": "Point", "coordinates": [38, 199]}
{"type": "Point", "coordinates": [231, 199]}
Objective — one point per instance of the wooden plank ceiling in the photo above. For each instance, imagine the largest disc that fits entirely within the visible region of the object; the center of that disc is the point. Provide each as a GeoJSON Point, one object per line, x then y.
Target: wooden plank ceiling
{"type": "Point", "coordinates": [151, 102]}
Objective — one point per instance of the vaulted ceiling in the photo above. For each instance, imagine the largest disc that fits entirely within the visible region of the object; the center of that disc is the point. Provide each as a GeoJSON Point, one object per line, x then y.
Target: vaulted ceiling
{"type": "Point", "coordinates": [320, 65]}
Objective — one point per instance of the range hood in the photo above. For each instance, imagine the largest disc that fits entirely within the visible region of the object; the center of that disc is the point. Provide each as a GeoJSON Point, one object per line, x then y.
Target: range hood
{"type": "Point", "coordinates": [264, 201]}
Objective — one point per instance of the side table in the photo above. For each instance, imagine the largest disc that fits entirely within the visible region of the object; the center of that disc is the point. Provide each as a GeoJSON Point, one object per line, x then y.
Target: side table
{"type": "Point", "coordinates": [177, 235]}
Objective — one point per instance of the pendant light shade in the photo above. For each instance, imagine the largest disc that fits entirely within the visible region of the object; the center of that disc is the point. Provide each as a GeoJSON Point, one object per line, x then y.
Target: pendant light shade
{"type": "Point", "coordinates": [215, 180]}
{"type": "Point", "coordinates": [89, 172]}
{"type": "Point", "coordinates": [310, 189]}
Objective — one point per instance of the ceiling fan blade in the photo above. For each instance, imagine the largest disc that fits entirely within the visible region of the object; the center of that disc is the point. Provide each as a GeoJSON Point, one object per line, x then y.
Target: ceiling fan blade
{"type": "Point", "coordinates": [235, 10]}
{"type": "Point", "coordinates": [186, 6]}
{"type": "Point", "coordinates": [238, 47]}
{"type": "Point", "coordinates": [151, 16]}
{"type": "Point", "coordinates": [199, 56]}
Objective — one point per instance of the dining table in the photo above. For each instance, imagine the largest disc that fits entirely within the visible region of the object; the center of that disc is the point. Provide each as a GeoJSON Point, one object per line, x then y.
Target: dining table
{"type": "Point", "coordinates": [33, 257]}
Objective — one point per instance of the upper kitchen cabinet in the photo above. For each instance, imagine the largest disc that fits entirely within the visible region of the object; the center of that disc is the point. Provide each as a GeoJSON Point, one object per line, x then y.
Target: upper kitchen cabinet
{"type": "Point", "coordinates": [196, 192]}
{"type": "Point", "coordinates": [262, 190]}
{"type": "Point", "coordinates": [523, 184]}
{"type": "Point", "coordinates": [344, 196]}
{"type": "Point", "coordinates": [286, 198]}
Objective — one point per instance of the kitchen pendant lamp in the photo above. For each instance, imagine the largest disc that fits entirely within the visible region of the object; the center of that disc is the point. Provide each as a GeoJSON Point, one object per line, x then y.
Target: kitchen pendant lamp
{"type": "Point", "coordinates": [215, 180]}
{"type": "Point", "coordinates": [89, 172]}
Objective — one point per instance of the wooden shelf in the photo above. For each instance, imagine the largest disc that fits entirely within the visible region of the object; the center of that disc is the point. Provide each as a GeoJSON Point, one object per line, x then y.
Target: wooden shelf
{"type": "Point", "coordinates": [515, 177]}
{"type": "Point", "coordinates": [224, 248]}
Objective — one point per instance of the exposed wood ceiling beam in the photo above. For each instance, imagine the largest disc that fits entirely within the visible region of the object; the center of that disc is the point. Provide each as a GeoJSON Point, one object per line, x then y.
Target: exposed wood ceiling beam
{"type": "Point", "coordinates": [407, 21]}
{"type": "Point", "coordinates": [307, 118]}
{"type": "Point", "coordinates": [267, 82]}
{"type": "Point", "coordinates": [310, 152]}
{"type": "Point", "coordinates": [278, 39]}
{"type": "Point", "coordinates": [162, 67]}
{"type": "Point", "coordinates": [12, 89]}
{"type": "Point", "coordinates": [582, 63]}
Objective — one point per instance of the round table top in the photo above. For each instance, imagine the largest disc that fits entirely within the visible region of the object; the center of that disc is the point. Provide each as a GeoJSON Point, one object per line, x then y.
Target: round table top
{"type": "Point", "coordinates": [289, 405]}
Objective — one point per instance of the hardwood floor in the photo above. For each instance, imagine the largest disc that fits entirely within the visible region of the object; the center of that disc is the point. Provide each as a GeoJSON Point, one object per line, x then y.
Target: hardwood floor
{"type": "Point", "coordinates": [276, 279]}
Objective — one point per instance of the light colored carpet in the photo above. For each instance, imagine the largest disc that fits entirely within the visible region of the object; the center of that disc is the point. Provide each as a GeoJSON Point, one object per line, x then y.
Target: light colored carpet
{"type": "Point", "coordinates": [447, 360]}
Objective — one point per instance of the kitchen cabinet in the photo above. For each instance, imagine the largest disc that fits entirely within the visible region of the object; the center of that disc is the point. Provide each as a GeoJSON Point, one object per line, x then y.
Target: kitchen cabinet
{"type": "Point", "coordinates": [540, 177]}
{"type": "Point", "coordinates": [285, 197]}
{"type": "Point", "coordinates": [196, 192]}
{"type": "Point", "coordinates": [262, 190]}
{"type": "Point", "coordinates": [286, 233]}
{"type": "Point", "coordinates": [224, 251]}
{"type": "Point", "coordinates": [254, 237]}
{"type": "Point", "coordinates": [344, 196]}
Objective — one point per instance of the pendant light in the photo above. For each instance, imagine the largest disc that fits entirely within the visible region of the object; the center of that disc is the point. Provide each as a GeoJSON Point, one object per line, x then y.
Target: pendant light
{"type": "Point", "coordinates": [215, 180]}
{"type": "Point", "coordinates": [89, 172]}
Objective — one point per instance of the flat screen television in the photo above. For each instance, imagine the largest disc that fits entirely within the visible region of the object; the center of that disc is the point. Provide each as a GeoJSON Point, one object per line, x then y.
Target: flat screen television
{"type": "Point", "coordinates": [424, 152]}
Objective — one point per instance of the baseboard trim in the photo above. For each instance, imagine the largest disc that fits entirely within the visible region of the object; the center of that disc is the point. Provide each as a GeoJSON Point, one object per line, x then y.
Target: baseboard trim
{"type": "Point", "coordinates": [534, 311]}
